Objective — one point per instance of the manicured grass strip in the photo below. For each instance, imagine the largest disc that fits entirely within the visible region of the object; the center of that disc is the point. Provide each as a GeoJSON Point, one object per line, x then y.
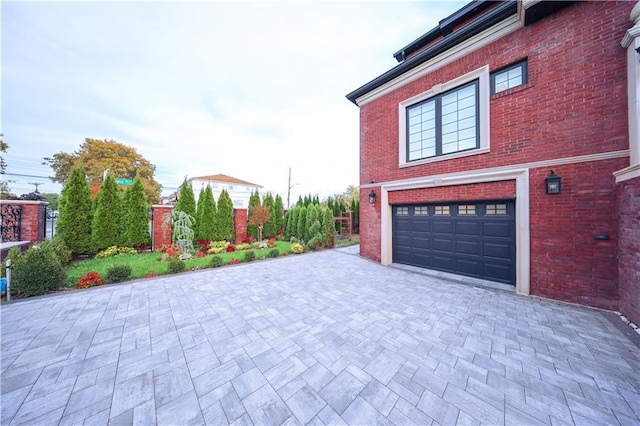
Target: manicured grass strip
{"type": "Point", "coordinates": [144, 264]}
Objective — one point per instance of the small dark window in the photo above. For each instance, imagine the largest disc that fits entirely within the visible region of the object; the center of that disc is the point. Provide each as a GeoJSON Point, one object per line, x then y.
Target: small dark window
{"type": "Point", "coordinates": [507, 78]}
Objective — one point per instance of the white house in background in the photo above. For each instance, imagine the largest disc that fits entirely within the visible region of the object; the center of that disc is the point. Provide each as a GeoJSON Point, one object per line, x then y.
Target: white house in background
{"type": "Point", "coordinates": [239, 190]}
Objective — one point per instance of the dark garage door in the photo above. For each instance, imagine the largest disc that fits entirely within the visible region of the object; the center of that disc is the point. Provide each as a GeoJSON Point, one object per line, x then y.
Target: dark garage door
{"type": "Point", "coordinates": [476, 239]}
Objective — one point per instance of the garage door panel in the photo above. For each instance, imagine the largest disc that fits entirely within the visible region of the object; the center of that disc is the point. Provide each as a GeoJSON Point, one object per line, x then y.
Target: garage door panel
{"type": "Point", "coordinates": [475, 239]}
{"type": "Point", "coordinates": [497, 250]}
{"type": "Point", "coordinates": [498, 271]}
{"type": "Point", "coordinates": [497, 229]}
{"type": "Point", "coordinates": [421, 241]}
{"type": "Point", "coordinates": [422, 259]}
{"type": "Point", "coordinates": [468, 247]}
{"type": "Point", "coordinates": [469, 267]}
{"type": "Point", "coordinates": [444, 263]}
{"type": "Point", "coordinates": [442, 227]}
{"type": "Point", "coordinates": [421, 226]}
{"type": "Point", "coordinates": [403, 225]}
{"type": "Point", "coordinates": [443, 244]}
{"type": "Point", "coordinates": [403, 240]}
{"type": "Point", "coordinates": [467, 228]}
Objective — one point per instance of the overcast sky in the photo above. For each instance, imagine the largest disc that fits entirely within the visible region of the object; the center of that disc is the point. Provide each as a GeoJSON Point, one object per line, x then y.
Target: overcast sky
{"type": "Point", "coordinates": [246, 89]}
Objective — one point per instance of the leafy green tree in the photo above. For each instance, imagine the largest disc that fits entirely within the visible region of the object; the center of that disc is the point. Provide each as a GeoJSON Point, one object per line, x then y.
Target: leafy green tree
{"type": "Point", "coordinates": [105, 228]}
{"type": "Point", "coordinates": [206, 220]}
{"type": "Point", "coordinates": [95, 156]}
{"type": "Point", "coordinates": [278, 211]}
{"type": "Point", "coordinates": [75, 210]}
{"type": "Point", "coordinates": [187, 201]}
{"type": "Point", "coordinates": [302, 223]}
{"type": "Point", "coordinates": [269, 230]}
{"type": "Point", "coordinates": [136, 215]}
{"type": "Point", "coordinates": [53, 199]}
{"type": "Point", "coordinates": [225, 229]}
{"type": "Point", "coordinates": [259, 216]}
{"type": "Point", "coordinates": [254, 201]}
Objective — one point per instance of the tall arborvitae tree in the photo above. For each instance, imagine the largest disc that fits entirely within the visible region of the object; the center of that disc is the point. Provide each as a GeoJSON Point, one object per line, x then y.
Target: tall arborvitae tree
{"type": "Point", "coordinates": [355, 215]}
{"type": "Point", "coordinates": [269, 229]}
{"type": "Point", "coordinates": [312, 216]}
{"type": "Point", "coordinates": [278, 211]}
{"type": "Point", "coordinates": [254, 201]}
{"type": "Point", "coordinates": [206, 221]}
{"type": "Point", "coordinates": [314, 229]}
{"type": "Point", "coordinates": [328, 229]}
{"type": "Point", "coordinates": [293, 227]}
{"type": "Point", "coordinates": [225, 229]}
{"type": "Point", "coordinates": [136, 214]}
{"type": "Point", "coordinates": [106, 229]}
{"type": "Point", "coordinates": [74, 217]}
{"type": "Point", "coordinates": [186, 200]}
{"type": "Point", "coordinates": [287, 225]}
{"type": "Point", "coordinates": [302, 222]}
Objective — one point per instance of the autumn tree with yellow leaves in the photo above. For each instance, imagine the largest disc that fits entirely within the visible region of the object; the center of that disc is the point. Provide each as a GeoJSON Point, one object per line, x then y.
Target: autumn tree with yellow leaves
{"type": "Point", "coordinates": [95, 156]}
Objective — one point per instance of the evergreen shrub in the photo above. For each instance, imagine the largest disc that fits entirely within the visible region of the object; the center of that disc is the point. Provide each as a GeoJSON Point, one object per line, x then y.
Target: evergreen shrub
{"type": "Point", "coordinates": [176, 265]}
{"type": "Point", "coordinates": [118, 273]}
{"type": "Point", "coordinates": [37, 272]}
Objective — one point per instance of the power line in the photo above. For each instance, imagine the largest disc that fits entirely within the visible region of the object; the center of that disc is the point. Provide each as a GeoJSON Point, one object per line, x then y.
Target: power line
{"type": "Point", "coordinates": [29, 176]}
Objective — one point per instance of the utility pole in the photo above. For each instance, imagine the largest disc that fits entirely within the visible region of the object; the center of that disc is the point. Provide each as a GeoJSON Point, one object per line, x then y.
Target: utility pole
{"type": "Point", "coordinates": [289, 189]}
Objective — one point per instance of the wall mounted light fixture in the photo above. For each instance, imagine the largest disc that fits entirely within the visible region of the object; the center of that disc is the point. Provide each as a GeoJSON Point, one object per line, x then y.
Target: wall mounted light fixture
{"type": "Point", "coordinates": [372, 197]}
{"type": "Point", "coordinates": [553, 183]}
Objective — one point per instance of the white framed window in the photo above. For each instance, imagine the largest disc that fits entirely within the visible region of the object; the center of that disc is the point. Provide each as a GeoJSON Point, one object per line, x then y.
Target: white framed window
{"type": "Point", "coordinates": [447, 121]}
{"type": "Point", "coordinates": [509, 77]}
{"type": "Point", "coordinates": [402, 211]}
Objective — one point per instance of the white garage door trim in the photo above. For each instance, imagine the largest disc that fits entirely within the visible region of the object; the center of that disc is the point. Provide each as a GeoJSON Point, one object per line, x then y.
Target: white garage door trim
{"type": "Point", "coordinates": [521, 177]}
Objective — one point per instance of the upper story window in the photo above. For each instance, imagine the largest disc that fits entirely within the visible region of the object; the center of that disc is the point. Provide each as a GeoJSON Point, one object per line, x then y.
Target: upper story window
{"type": "Point", "coordinates": [447, 121]}
{"type": "Point", "coordinates": [232, 187]}
{"type": "Point", "coordinates": [444, 124]}
{"type": "Point", "coordinates": [507, 78]}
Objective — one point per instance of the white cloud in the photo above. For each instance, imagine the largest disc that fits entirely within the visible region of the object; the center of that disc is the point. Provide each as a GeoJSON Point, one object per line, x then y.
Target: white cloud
{"type": "Point", "coordinates": [248, 89]}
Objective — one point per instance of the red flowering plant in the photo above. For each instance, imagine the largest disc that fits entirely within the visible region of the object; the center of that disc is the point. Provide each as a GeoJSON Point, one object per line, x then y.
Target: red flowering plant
{"type": "Point", "coordinates": [230, 248]}
{"type": "Point", "coordinates": [200, 254]}
{"type": "Point", "coordinates": [92, 279]}
{"type": "Point", "coordinates": [170, 253]}
{"type": "Point", "coordinates": [234, 261]}
{"type": "Point", "coordinates": [203, 245]}
{"type": "Point", "coordinates": [271, 242]}
{"type": "Point", "coordinates": [151, 275]}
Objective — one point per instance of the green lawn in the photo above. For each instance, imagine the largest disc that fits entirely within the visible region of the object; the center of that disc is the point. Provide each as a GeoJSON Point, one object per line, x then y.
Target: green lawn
{"type": "Point", "coordinates": [144, 264]}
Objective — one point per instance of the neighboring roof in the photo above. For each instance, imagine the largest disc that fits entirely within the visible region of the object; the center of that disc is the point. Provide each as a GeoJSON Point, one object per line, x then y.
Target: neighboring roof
{"type": "Point", "coordinates": [451, 37]}
{"type": "Point", "coordinates": [225, 179]}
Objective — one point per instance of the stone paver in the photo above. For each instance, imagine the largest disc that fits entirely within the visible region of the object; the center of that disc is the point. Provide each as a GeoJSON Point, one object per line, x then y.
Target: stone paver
{"type": "Point", "coordinates": [322, 338]}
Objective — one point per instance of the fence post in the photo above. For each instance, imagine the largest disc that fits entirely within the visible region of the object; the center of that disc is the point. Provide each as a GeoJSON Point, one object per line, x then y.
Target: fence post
{"type": "Point", "coordinates": [8, 280]}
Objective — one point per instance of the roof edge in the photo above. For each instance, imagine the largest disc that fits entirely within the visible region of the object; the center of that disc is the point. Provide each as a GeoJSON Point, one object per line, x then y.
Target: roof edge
{"type": "Point", "coordinates": [485, 21]}
{"type": "Point", "coordinates": [444, 28]}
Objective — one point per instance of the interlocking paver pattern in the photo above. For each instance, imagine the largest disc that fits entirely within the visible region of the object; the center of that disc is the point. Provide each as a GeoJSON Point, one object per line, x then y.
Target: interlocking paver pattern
{"type": "Point", "coordinates": [322, 338]}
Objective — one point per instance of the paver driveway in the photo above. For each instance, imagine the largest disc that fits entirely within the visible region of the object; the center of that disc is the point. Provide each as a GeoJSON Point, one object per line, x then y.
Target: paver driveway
{"type": "Point", "coordinates": [320, 338]}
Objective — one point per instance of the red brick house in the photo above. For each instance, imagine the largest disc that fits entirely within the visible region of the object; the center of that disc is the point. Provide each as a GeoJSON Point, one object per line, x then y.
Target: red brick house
{"type": "Point", "coordinates": [459, 141]}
